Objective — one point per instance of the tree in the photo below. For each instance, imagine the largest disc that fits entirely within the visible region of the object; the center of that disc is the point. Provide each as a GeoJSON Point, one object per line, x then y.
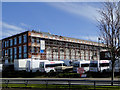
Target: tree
{"type": "Point", "coordinates": [109, 26]}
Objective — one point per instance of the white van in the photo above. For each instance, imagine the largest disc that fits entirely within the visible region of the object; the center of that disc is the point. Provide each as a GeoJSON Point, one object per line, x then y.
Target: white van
{"type": "Point", "coordinates": [50, 66]}
{"type": "Point", "coordinates": [99, 65]}
{"type": "Point", "coordinates": [81, 64]}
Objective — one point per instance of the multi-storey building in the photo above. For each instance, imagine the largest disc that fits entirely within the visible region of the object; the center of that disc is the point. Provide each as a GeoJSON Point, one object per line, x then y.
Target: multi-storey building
{"type": "Point", "coordinates": [41, 45]}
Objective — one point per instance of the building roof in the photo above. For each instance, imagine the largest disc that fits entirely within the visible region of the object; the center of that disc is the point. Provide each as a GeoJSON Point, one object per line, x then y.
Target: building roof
{"type": "Point", "coordinates": [62, 38]}
{"type": "Point", "coordinates": [48, 35]}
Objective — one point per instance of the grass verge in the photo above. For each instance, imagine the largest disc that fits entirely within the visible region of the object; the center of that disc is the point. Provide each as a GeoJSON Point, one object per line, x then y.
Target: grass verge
{"type": "Point", "coordinates": [80, 87]}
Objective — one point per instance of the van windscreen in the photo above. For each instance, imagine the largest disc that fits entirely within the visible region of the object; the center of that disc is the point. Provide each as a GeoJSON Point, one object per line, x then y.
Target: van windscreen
{"type": "Point", "coordinates": [53, 65]}
{"type": "Point", "coordinates": [104, 64]}
{"type": "Point", "coordinates": [93, 64]}
{"type": "Point", "coordinates": [84, 65]}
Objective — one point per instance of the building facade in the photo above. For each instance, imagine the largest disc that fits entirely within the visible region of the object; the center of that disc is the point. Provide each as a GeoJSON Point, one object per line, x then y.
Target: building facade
{"type": "Point", "coordinates": [41, 45]}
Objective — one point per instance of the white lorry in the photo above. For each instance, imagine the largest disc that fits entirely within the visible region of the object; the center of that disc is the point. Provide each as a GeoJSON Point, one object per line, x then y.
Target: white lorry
{"type": "Point", "coordinates": [99, 65]}
{"type": "Point", "coordinates": [27, 64]}
{"type": "Point", "coordinates": [81, 64]}
{"type": "Point", "coordinates": [36, 65]}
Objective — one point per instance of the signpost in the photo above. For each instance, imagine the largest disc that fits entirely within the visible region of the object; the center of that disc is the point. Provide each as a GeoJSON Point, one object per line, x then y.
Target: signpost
{"type": "Point", "coordinates": [81, 72]}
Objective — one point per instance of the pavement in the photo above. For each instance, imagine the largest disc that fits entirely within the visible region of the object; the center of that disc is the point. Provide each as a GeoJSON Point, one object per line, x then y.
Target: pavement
{"type": "Point", "coordinates": [63, 78]}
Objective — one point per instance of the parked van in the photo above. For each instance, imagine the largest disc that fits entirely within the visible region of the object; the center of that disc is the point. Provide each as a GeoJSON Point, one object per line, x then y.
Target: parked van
{"type": "Point", "coordinates": [81, 64]}
{"type": "Point", "coordinates": [99, 65]}
{"type": "Point", "coordinates": [50, 66]}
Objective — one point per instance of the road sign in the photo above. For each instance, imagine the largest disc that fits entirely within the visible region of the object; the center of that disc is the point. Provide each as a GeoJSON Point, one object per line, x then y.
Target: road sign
{"type": "Point", "coordinates": [41, 51]}
{"type": "Point", "coordinates": [80, 70]}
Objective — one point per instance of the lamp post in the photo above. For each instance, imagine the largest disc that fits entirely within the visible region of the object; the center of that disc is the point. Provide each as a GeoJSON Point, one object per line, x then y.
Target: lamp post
{"type": "Point", "coordinates": [99, 46]}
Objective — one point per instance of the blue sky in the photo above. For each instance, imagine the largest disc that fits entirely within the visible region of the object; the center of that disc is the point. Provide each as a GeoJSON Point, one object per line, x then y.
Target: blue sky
{"type": "Point", "coordinates": [71, 19]}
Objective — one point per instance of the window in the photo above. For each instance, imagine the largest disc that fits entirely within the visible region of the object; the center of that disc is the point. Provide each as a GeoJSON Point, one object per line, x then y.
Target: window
{"type": "Point", "coordinates": [20, 50]}
{"type": "Point", "coordinates": [8, 43]}
{"type": "Point", "coordinates": [33, 40]}
{"type": "Point", "coordinates": [25, 48]}
{"type": "Point", "coordinates": [6, 53]}
{"type": "Point", "coordinates": [5, 44]}
{"type": "Point", "coordinates": [20, 39]}
{"type": "Point", "coordinates": [11, 42]}
{"type": "Point", "coordinates": [11, 57]}
{"type": "Point", "coordinates": [11, 51]}
{"type": "Point", "coordinates": [33, 50]}
{"type": "Point", "coordinates": [53, 65]}
{"type": "Point", "coordinates": [104, 64]}
{"type": "Point", "coordinates": [93, 64]}
{"type": "Point", "coordinates": [38, 41]}
{"type": "Point", "coordinates": [15, 41]}
{"type": "Point", "coordinates": [75, 65]}
{"type": "Point", "coordinates": [15, 50]}
{"type": "Point", "coordinates": [25, 38]}
{"type": "Point", "coordinates": [85, 65]}
{"type": "Point", "coordinates": [25, 55]}
{"type": "Point", "coordinates": [37, 50]}
{"type": "Point", "coordinates": [3, 52]}
{"type": "Point", "coordinates": [20, 56]}
{"type": "Point", "coordinates": [15, 56]}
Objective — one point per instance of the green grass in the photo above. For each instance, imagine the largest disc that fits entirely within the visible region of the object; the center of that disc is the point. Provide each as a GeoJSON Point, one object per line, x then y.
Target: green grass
{"type": "Point", "coordinates": [81, 87]}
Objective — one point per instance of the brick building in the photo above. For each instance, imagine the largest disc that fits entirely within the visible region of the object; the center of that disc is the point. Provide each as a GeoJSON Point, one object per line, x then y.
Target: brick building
{"type": "Point", "coordinates": [41, 45]}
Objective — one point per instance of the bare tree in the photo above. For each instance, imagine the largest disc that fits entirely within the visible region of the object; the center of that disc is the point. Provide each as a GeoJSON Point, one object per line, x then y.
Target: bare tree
{"type": "Point", "coordinates": [109, 26]}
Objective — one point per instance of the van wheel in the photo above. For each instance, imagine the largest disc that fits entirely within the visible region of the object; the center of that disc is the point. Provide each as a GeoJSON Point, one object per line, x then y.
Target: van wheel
{"type": "Point", "coordinates": [51, 71]}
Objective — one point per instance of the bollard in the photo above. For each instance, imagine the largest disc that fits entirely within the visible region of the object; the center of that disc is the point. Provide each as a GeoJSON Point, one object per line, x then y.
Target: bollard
{"type": "Point", "coordinates": [46, 84]}
{"type": "Point", "coordinates": [94, 85]}
{"type": "Point", "coordinates": [26, 82]}
{"type": "Point", "coordinates": [69, 84]}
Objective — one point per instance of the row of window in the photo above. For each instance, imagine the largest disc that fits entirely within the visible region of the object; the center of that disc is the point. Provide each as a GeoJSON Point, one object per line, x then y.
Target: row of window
{"type": "Point", "coordinates": [10, 52]}
{"type": "Point", "coordinates": [13, 41]}
{"type": "Point", "coordinates": [36, 40]}
{"type": "Point", "coordinates": [20, 56]}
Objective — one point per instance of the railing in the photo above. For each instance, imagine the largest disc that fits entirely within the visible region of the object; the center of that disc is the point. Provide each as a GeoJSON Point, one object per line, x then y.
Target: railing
{"type": "Point", "coordinates": [68, 82]}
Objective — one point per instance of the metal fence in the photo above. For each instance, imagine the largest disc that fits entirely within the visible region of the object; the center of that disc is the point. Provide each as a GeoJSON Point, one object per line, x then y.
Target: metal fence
{"type": "Point", "coordinates": [68, 82]}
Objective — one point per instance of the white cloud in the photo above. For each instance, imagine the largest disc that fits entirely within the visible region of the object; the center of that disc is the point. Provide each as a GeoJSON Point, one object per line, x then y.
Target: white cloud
{"type": "Point", "coordinates": [25, 25]}
{"type": "Point", "coordinates": [90, 38]}
{"type": "Point", "coordinates": [87, 37]}
{"type": "Point", "coordinates": [9, 26]}
{"type": "Point", "coordinates": [85, 10]}
{"type": "Point", "coordinates": [9, 29]}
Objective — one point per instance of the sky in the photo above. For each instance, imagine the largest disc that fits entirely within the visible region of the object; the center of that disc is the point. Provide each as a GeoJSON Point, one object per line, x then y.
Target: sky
{"type": "Point", "coordinates": [70, 19]}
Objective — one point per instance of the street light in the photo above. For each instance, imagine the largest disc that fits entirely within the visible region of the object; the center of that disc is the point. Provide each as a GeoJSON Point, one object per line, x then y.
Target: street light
{"type": "Point", "coordinates": [99, 46]}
